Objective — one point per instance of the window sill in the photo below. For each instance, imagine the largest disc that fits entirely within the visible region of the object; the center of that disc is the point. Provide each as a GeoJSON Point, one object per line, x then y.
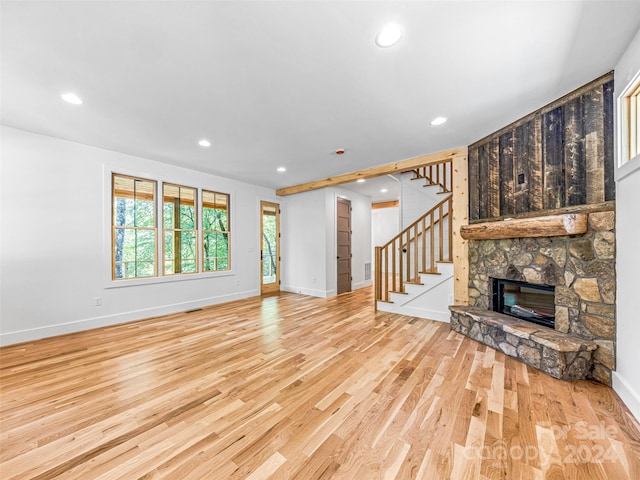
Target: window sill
{"type": "Point", "coordinates": [627, 168]}
{"type": "Point", "coordinates": [135, 282]}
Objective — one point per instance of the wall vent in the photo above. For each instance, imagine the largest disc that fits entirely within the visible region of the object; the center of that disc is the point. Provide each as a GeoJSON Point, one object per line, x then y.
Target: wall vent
{"type": "Point", "coordinates": [367, 271]}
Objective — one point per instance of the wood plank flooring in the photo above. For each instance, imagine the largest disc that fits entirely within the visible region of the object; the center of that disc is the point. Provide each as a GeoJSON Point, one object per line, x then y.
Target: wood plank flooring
{"type": "Point", "coordinates": [294, 387]}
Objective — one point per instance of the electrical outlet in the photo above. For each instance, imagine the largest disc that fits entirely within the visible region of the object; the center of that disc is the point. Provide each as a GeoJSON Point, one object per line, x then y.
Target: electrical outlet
{"type": "Point", "coordinates": [98, 301]}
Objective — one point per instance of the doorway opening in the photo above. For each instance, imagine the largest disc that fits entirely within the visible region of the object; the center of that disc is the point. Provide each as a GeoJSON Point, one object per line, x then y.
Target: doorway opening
{"type": "Point", "coordinates": [269, 247]}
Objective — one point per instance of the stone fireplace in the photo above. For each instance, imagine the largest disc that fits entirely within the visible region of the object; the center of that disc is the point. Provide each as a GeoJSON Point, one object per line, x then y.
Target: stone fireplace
{"type": "Point", "coordinates": [581, 269]}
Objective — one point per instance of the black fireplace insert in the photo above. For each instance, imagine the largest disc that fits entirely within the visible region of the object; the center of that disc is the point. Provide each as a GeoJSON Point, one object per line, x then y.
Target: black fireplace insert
{"type": "Point", "coordinates": [527, 301]}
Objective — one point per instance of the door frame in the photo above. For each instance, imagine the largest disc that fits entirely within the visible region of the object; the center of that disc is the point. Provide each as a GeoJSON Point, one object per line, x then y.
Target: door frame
{"type": "Point", "coordinates": [270, 288]}
{"type": "Point", "coordinates": [349, 258]}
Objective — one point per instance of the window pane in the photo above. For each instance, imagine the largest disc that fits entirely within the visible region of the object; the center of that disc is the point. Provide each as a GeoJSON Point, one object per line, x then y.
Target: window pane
{"type": "Point", "coordinates": [221, 217]}
{"type": "Point", "coordinates": [134, 247]}
{"type": "Point", "coordinates": [145, 245]}
{"type": "Point", "coordinates": [122, 212]}
{"type": "Point", "coordinates": [216, 251]}
{"type": "Point", "coordinates": [215, 236]}
{"type": "Point", "coordinates": [187, 217]}
{"type": "Point", "coordinates": [188, 252]}
{"type": "Point", "coordinates": [216, 206]}
{"type": "Point", "coordinates": [208, 218]}
{"type": "Point", "coordinates": [168, 215]}
{"type": "Point", "coordinates": [135, 253]}
{"type": "Point", "coordinates": [223, 263]}
{"type": "Point", "coordinates": [168, 252]}
{"type": "Point", "coordinates": [144, 213]}
{"type": "Point", "coordinates": [179, 221]}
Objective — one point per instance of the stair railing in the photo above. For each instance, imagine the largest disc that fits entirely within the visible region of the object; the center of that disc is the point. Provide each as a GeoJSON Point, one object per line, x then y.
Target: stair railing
{"type": "Point", "coordinates": [413, 251]}
{"type": "Point", "coordinates": [436, 174]}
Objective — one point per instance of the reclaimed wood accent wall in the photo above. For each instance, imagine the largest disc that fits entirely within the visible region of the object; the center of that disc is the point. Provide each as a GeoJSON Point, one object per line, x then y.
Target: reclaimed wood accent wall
{"type": "Point", "coordinates": [561, 155]}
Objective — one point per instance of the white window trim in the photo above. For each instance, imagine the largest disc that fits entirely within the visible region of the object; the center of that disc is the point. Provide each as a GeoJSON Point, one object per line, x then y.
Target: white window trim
{"type": "Point", "coordinates": [622, 121]}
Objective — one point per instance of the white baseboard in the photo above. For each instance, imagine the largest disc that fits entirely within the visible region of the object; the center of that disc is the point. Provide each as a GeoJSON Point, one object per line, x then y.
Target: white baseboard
{"type": "Point", "coordinates": [321, 293]}
{"type": "Point", "coordinates": [366, 283]}
{"type": "Point", "coordinates": [415, 312]}
{"type": "Point", "coordinates": [629, 396]}
{"type": "Point", "coordinates": [308, 291]}
{"type": "Point", "coordinates": [10, 338]}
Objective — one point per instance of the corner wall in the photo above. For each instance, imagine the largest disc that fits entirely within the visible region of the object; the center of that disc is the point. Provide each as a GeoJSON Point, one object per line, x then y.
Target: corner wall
{"type": "Point", "coordinates": [308, 244]}
{"type": "Point", "coordinates": [626, 378]}
{"type": "Point", "coordinates": [55, 245]}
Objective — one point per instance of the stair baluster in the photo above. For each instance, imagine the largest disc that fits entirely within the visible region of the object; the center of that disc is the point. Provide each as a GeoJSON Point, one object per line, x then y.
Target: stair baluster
{"type": "Point", "coordinates": [403, 258]}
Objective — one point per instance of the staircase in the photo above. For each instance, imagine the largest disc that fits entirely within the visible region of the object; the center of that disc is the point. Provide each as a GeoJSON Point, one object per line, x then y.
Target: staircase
{"type": "Point", "coordinates": [414, 270]}
{"type": "Point", "coordinates": [435, 175]}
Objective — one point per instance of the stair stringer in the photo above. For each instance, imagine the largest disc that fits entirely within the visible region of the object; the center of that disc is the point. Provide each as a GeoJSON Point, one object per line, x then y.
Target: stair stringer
{"type": "Point", "coordinates": [430, 300]}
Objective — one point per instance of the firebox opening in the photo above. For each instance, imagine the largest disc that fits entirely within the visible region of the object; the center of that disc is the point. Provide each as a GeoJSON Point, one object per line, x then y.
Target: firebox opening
{"type": "Point", "coordinates": [527, 301]}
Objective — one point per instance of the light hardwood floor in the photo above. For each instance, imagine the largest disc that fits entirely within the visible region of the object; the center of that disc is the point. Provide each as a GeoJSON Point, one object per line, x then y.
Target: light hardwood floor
{"type": "Point", "coordinates": [290, 387]}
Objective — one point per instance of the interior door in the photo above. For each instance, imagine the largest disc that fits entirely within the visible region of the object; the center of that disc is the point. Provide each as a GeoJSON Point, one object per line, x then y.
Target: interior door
{"type": "Point", "coordinates": [343, 209]}
{"type": "Point", "coordinates": [269, 247]}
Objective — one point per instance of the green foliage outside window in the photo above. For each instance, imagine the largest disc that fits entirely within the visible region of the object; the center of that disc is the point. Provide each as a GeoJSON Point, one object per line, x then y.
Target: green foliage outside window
{"type": "Point", "coordinates": [135, 246]}
{"type": "Point", "coordinates": [134, 227]}
{"type": "Point", "coordinates": [179, 222]}
{"type": "Point", "coordinates": [215, 231]}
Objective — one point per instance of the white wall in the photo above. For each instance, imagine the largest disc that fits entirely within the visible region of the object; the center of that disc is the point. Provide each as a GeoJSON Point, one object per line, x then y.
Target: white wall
{"type": "Point", "coordinates": [626, 378]}
{"type": "Point", "coordinates": [55, 240]}
{"type": "Point", "coordinates": [309, 241]}
{"type": "Point", "coordinates": [416, 199]}
{"type": "Point", "coordinates": [385, 224]}
{"type": "Point", "coordinates": [303, 243]}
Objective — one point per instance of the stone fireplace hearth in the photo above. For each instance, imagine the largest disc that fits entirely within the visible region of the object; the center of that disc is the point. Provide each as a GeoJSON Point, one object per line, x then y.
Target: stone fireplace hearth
{"type": "Point", "coordinates": [582, 270]}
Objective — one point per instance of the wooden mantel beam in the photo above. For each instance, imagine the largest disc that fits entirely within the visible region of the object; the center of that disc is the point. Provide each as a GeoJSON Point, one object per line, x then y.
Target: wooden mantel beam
{"type": "Point", "coordinates": [397, 167]}
{"type": "Point", "coordinates": [548, 226]}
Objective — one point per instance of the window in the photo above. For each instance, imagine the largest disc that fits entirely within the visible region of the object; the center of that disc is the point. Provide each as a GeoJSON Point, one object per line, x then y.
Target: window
{"type": "Point", "coordinates": [134, 233]}
{"type": "Point", "coordinates": [180, 234]}
{"type": "Point", "coordinates": [630, 121]}
{"type": "Point", "coordinates": [139, 250]}
{"type": "Point", "coordinates": [215, 231]}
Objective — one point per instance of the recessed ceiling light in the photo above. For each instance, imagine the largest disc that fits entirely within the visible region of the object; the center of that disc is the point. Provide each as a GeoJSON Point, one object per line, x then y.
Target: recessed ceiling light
{"type": "Point", "coordinates": [282, 169]}
{"type": "Point", "coordinates": [437, 121]}
{"type": "Point", "coordinates": [384, 190]}
{"type": "Point", "coordinates": [360, 180]}
{"type": "Point", "coordinates": [204, 143]}
{"type": "Point", "coordinates": [389, 35]}
{"type": "Point", "coordinates": [71, 98]}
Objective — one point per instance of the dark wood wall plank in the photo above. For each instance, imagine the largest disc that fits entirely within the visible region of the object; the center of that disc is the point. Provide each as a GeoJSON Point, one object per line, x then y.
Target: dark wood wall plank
{"type": "Point", "coordinates": [507, 180]}
{"type": "Point", "coordinates": [474, 196]}
{"type": "Point", "coordinates": [594, 145]}
{"type": "Point", "coordinates": [483, 186]}
{"type": "Point", "coordinates": [493, 206]}
{"type": "Point", "coordinates": [552, 157]}
{"type": "Point", "coordinates": [575, 172]}
{"type": "Point", "coordinates": [609, 156]}
{"type": "Point", "coordinates": [559, 156]}
{"type": "Point", "coordinates": [521, 167]}
{"type": "Point", "coordinates": [536, 171]}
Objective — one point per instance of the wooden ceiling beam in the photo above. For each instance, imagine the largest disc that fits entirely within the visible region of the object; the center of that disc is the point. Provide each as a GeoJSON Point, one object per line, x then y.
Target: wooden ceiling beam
{"type": "Point", "coordinates": [397, 167]}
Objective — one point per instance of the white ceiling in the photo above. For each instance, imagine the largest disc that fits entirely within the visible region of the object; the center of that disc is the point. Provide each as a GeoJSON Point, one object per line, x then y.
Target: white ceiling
{"type": "Point", "coordinates": [287, 83]}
